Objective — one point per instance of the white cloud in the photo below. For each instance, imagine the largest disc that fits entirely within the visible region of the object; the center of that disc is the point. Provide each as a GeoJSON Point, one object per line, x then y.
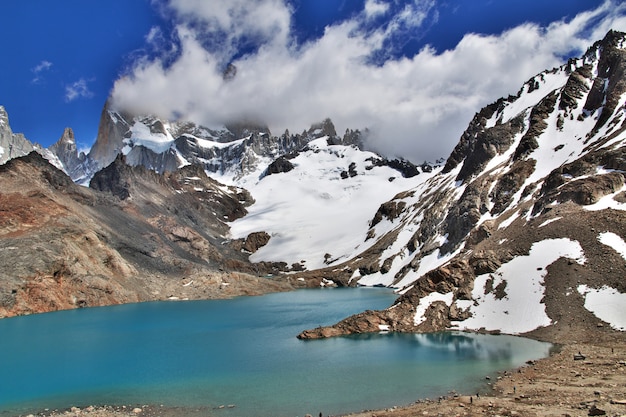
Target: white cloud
{"type": "Point", "coordinates": [38, 69]}
{"type": "Point", "coordinates": [155, 35]}
{"type": "Point", "coordinates": [78, 89]}
{"type": "Point", "coordinates": [415, 107]}
{"type": "Point", "coordinates": [226, 25]}
{"type": "Point", "coordinates": [375, 8]}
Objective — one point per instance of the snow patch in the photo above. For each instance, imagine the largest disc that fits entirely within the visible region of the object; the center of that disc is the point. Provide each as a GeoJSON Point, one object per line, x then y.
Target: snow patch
{"type": "Point", "coordinates": [425, 302]}
{"type": "Point", "coordinates": [210, 144]}
{"type": "Point", "coordinates": [506, 223]}
{"type": "Point", "coordinates": [607, 304]}
{"type": "Point", "coordinates": [547, 222]}
{"type": "Point", "coordinates": [614, 241]}
{"type": "Point", "coordinates": [142, 136]}
{"type": "Point", "coordinates": [518, 307]}
{"type": "Point", "coordinates": [607, 202]}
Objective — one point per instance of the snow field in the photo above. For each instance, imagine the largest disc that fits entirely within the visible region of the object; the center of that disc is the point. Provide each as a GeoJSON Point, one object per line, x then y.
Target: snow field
{"type": "Point", "coordinates": [142, 136]}
{"type": "Point", "coordinates": [614, 241]}
{"type": "Point", "coordinates": [607, 304]}
{"type": "Point", "coordinates": [311, 211]}
{"type": "Point", "coordinates": [521, 309]}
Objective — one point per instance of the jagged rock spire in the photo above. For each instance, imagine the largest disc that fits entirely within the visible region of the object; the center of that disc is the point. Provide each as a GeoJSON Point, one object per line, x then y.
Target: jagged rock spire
{"type": "Point", "coordinates": [12, 145]}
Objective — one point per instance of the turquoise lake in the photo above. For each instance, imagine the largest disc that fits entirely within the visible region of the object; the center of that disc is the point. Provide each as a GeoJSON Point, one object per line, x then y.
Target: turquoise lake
{"type": "Point", "coordinates": [242, 352]}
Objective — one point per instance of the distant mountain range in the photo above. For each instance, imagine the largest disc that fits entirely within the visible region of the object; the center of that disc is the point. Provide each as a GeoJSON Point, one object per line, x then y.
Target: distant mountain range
{"type": "Point", "coordinates": [516, 231]}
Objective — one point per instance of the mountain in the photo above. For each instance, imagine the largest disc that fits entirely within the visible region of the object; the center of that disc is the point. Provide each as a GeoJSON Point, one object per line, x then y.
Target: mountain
{"type": "Point", "coordinates": [524, 228]}
{"type": "Point", "coordinates": [175, 220]}
{"type": "Point", "coordinates": [12, 144]}
{"type": "Point", "coordinates": [316, 203]}
{"type": "Point", "coordinates": [134, 235]}
{"type": "Point", "coordinates": [230, 152]}
{"type": "Point", "coordinates": [520, 231]}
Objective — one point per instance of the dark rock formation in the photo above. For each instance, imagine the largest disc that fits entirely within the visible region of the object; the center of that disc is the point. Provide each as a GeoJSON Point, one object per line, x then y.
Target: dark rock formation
{"type": "Point", "coordinates": [109, 142]}
{"type": "Point", "coordinates": [281, 164]}
{"type": "Point", "coordinates": [404, 167]}
{"type": "Point", "coordinates": [389, 210]}
{"type": "Point", "coordinates": [538, 116]}
{"type": "Point", "coordinates": [113, 179]}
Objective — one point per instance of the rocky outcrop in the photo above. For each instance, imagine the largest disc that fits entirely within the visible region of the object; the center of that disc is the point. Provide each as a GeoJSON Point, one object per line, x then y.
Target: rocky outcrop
{"type": "Point", "coordinates": [255, 241]}
{"type": "Point", "coordinates": [537, 125]}
{"type": "Point", "coordinates": [281, 164]}
{"type": "Point", "coordinates": [406, 168]}
{"type": "Point", "coordinates": [470, 136]}
{"type": "Point", "coordinates": [610, 83]}
{"type": "Point", "coordinates": [113, 179]}
{"type": "Point", "coordinates": [110, 140]}
{"type": "Point", "coordinates": [389, 210]}
{"type": "Point", "coordinates": [12, 145]}
{"type": "Point", "coordinates": [486, 144]}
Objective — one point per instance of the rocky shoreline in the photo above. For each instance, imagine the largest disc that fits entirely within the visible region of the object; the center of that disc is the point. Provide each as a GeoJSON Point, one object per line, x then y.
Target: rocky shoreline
{"type": "Point", "coordinates": [563, 384]}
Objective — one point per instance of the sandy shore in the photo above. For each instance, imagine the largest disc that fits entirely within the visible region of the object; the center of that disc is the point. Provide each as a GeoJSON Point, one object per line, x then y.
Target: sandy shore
{"type": "Point", "coordinates": [559, 385]}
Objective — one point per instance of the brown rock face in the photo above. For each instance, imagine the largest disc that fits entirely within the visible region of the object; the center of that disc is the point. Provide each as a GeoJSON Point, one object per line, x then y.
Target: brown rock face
{"type": "Point", "coordinates": [256, 240]}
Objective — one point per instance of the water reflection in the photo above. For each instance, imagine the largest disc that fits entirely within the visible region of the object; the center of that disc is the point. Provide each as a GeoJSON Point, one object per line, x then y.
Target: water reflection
{"type": "Point", "coordinates": [464, 346]}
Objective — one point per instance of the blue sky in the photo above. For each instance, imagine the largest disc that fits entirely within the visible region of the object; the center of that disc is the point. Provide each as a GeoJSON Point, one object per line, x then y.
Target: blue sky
{"type": "Point", "coordinates": [412, 71]}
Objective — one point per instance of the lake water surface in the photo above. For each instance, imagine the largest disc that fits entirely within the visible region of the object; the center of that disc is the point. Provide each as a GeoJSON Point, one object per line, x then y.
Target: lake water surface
{"type": "Point", "coordinates": [244, 352]}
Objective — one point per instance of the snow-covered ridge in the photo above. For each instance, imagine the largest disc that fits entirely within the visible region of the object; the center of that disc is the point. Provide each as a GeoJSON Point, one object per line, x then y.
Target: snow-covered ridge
{"type": "Point", "coordinates": [313, 215]}
{"type": "Point", "coordinates": [142, 135]}
{"type": "Point", "coordinates": [491, 240]}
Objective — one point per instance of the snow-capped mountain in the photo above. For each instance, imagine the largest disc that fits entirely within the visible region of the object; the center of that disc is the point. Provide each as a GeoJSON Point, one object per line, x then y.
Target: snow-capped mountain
{"type": "Point", "coordinates": [525, 225]}
{"type": "Point", "coordinates": [330, 179]}
{"type": "Point", "coordinates": [318, 206]}
{"type": "Point", "coordinates": [520, 231]}
{"type": "Point", "coordinates": [228, 152]}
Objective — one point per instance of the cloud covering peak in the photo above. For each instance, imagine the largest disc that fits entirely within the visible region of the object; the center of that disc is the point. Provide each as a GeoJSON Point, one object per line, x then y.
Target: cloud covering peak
{"type": "Point", "coordinates": [415, 106]}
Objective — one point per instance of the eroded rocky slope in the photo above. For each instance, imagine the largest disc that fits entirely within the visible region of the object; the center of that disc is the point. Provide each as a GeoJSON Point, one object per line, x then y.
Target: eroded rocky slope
{"type": "Point", "coordinates": [135, 236]}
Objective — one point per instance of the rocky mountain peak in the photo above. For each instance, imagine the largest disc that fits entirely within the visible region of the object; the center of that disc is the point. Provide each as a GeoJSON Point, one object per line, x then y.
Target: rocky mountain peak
{"type": "Point", "coordinates": [109, 141]}
{"type": "Point", "coordinates": [68, 136]}
{"type": "Point", "coordinates": [323, 128]}
{"type": "Point", "coordinates": [72, 162]}
{"type": "Point", "coordinates": [4, 117]}
{"type": "Point", "coordinates": [12, 145]}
